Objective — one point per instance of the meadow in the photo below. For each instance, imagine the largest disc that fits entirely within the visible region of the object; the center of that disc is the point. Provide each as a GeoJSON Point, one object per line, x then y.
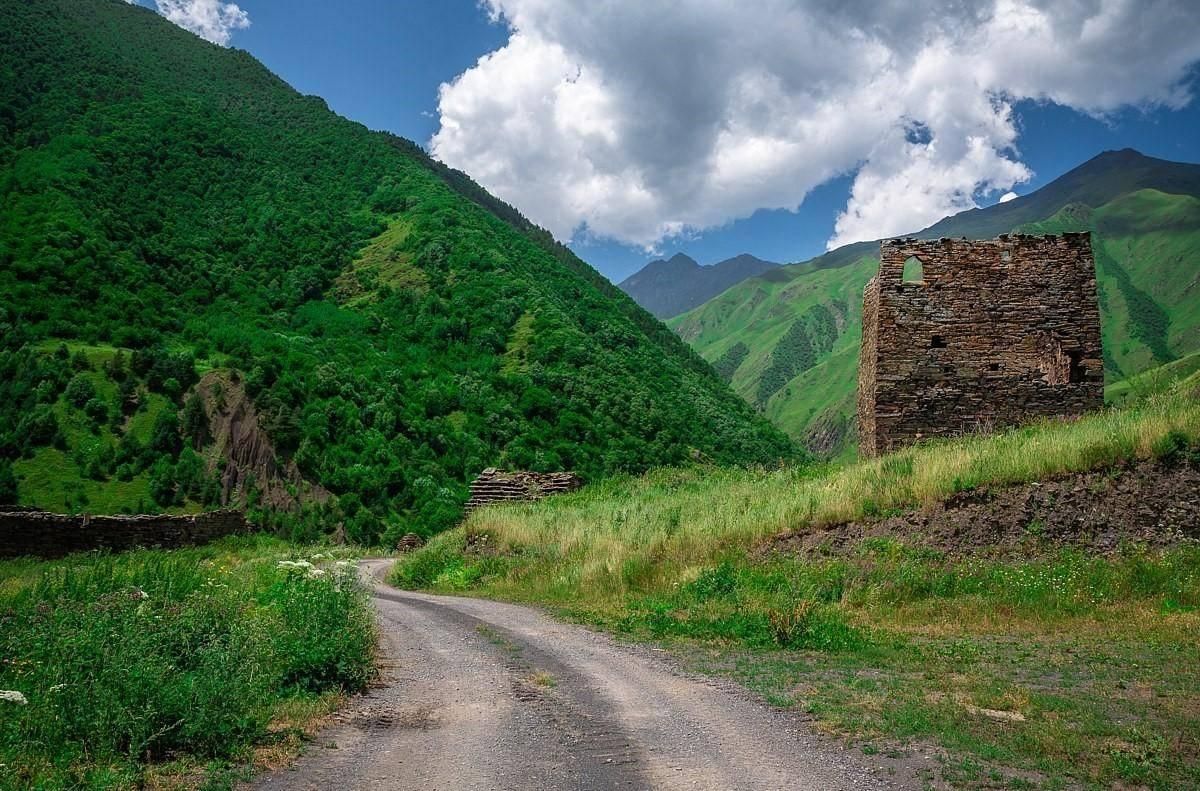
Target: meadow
{"type": "Point", "coordinates": [173, 668]}
{"type": "Point", "coordinates": [1052, 668]}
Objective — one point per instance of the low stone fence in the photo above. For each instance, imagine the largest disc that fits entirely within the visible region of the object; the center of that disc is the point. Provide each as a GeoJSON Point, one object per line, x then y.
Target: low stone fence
{"type": "Point", "coordinates": [42, 534]}
{"type": "Point", "coordinates": [496, 486]}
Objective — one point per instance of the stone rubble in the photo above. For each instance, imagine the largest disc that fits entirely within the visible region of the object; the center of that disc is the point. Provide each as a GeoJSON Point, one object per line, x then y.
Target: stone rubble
{"type": "Point", "coordinates": [495, 486]}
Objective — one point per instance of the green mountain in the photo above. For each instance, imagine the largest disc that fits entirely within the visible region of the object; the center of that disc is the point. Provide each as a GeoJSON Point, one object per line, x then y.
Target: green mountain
{"type": "Point", "coordinates": [678, 284]}
{"type": "Point", "coordinates": [170, 208]}
{"type": "Point", "coordinates": [788, 341]}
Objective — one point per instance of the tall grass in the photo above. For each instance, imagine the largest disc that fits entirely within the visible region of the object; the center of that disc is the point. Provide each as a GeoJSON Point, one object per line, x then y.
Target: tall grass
{"type": "Point", "coordinates": [888, 638]}
{"type": "Point", "coordinates": [127, 660]}
{"type": "Point", "coordinates": [646, 534]}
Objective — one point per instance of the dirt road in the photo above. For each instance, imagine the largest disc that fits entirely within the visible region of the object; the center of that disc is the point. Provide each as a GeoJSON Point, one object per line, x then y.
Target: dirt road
{"type": "Point", "coordinates": [484, 695]}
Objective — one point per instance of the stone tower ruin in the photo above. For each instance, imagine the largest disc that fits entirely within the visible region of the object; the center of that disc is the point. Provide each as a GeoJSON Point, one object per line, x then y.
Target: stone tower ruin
{"type": "Point", "coordinates": [963, 335]}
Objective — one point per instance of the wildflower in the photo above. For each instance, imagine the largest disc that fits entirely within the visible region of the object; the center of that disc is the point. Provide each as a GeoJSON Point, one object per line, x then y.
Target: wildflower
{"type": "Point", "coordinates": [12, 696]}
{"type": "Point", "coordinates": [138, 593]}
{"type": "Point", "coordinates": [315, 573]}
{"type": "Point", "coordinates": [58, 687]}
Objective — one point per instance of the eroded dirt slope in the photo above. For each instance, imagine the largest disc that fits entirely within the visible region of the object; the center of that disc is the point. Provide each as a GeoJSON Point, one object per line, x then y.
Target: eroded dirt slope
{"type": "Point", "coordinates": [1150, 503]}
{"type": "Point", "coordinates": [243, 451]}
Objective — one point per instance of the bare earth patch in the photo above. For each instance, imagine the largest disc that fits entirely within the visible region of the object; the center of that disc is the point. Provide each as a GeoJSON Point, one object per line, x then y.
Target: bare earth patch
{"type": "Point", "coordinates": [1148, 503]}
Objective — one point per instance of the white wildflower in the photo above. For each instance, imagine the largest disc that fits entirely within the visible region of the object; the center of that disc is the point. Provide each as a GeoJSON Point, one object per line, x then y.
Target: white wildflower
{"type": "Point", "coordinates": [138, 593]}
{"type": "Point", "coordinates": [315, 573]}
{"type": "Point", "coordinates": [12, 696]}
{"type": "Point", "coordinates": [318, 556]}
{"type": "Point", "coordinates": [58, 687]}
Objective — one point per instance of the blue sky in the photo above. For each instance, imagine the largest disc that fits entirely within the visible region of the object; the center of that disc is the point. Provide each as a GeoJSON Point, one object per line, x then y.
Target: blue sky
{"type": "Point", "coordinates": [381, 63]}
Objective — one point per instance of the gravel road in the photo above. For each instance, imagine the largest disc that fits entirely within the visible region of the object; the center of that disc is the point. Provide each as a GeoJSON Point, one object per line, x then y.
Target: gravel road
{"type": "Point", "coordinates": [485, 695]}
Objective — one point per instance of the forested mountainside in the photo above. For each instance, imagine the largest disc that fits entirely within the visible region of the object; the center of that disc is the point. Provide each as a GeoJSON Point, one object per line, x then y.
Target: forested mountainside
{"type": "Point", "coordinates": [669, 287]}
{"type": "Point", "coordinates": [170, 207]}
{"type": "Point", "coordinates": [788, 340]}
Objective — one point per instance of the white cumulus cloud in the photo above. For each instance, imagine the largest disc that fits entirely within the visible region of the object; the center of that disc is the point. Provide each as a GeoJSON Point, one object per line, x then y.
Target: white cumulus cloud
{"type": "Point", "coordinates": [1006, 197]}
{"type": "Point", "coordinates": [641, 121]}
{"type": "Point", "coordinates": [209, 19]}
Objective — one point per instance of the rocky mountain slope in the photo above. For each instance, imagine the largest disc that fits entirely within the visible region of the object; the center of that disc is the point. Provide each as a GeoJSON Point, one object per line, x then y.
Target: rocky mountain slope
{"type": "Point", "coordinates": [789, 340]}
{"type": "Point", "coordinates": [395, 327]}
{"type": "Point", "coordinates": [678, 284]}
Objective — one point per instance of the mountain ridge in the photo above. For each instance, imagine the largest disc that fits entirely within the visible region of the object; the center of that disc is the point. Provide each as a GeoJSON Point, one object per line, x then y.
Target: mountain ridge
{"type": "Point", "coordinates": [1091, 182]}
{"type": "Point", "coordinates": [669, 287]}
{"type": "Point", "coordinates": [396, 327]}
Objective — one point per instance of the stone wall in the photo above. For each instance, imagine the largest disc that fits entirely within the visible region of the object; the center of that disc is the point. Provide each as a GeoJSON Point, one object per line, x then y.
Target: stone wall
{"type": "Point", "coordinates": [994, 333]}
{"type": "Point", "coordinates": [43, 534]}
{"type": "Point", "coordinates": [494, 486]}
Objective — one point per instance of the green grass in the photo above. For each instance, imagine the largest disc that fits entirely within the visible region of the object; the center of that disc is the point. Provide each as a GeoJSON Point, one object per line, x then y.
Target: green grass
{"type": "Point", "coordinates": [384, 263]}
{"type": "Point", "coordinates": [627, 535]}
{"type": "Point", "coordinates": [893, 643]}
{"type": "Point", "coordinates": [154, 663]}
{"type": "Point", "coordinates": [54, 478]}
{"type": "Point", "coordinates": [50, 479]}
{"type": "Point", "coordinates": [1153, 381]}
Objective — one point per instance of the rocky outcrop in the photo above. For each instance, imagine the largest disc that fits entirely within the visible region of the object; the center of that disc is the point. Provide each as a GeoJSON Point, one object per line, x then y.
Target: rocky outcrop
{"type": "Point", "coordinates": [47, 535]}
{"type": "Point", "coordinates": [242, 451]}
{"type": "Point", "coordinates": [495, 486]}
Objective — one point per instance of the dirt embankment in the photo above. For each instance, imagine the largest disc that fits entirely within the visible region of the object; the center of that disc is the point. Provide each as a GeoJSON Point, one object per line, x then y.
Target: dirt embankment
{"type": "Point", "coordinates": [1148, 503]}
{"type": "Point", "coordinates": [243, 452]}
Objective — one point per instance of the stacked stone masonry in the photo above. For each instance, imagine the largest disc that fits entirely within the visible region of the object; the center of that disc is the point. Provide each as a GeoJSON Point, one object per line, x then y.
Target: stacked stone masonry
{"type": "Point", "coordinates": [47, 535]}
{"type": "Point", "coordinates": [994, 333]}
{"type": "Point", "coordinates": [495, 486]}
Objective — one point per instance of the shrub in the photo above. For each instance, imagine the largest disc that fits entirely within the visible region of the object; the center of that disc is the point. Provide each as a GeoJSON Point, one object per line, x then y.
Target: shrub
{"type": "Point", "coordinates": [130, 658]}
{"type": "Point", "coordinates": [79, 390]}
{"type": "Point", "coordinates": [8, 483]}
{"type": "Point", "coordinates": [1173, 447]}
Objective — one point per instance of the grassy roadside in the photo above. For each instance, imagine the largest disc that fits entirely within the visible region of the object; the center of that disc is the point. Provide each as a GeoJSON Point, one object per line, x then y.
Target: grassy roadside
{"type": "Point", "coordinates": [1055, 669]}
{"type": "Point", "coordinates": [172, 668]}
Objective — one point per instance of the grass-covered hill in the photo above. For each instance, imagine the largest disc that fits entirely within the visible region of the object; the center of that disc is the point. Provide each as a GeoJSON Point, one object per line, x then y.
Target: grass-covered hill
{"type": "Point", "coordinates": [788, 341]}
{"type": "Point", "coordinates": [175, 206]}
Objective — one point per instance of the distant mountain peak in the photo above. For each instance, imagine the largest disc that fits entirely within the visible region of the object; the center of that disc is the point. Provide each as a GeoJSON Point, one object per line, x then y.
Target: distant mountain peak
{"type": "Point", "coordinates": [678, 284]}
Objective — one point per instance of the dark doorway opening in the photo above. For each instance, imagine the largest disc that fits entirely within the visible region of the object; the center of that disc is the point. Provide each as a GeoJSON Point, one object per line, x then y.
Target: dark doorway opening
{"type": "Point", "coordinates": [1075, 370]}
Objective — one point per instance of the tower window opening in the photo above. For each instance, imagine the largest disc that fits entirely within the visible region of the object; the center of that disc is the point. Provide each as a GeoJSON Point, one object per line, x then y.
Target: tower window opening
{"type": "Point", "coordinates": [914, 270]}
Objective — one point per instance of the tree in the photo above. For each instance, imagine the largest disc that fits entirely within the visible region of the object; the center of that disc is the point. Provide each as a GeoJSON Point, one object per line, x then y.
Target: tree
{"type": "Point", "coordinates": [195, 421]}
{"type": "Point", "coordinates": [162, 483]}
{"type": "Point", "coordinates": [80, 390]}
{"type": "Point", "coordinates": [164, 436]}
{"type": "Point", "coordinates": [8, 483]}
{"type": "Point", "coordinates": [97, 410]}
{"type": "Point", "coordinates": [39, 426]}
